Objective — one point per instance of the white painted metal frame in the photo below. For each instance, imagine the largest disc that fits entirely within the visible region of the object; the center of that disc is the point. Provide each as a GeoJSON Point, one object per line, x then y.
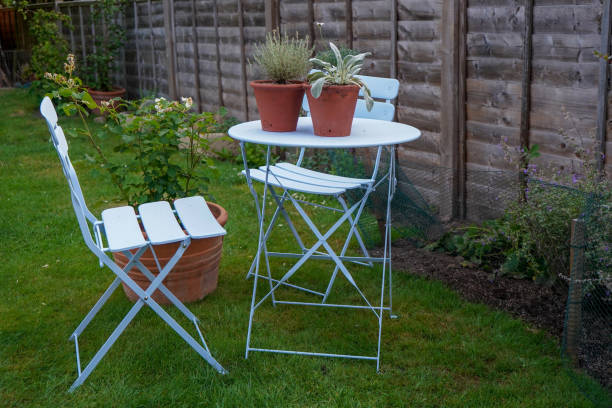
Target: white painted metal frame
{"type": "Point", "coordinates": [120, 227]}
{"type": "Point", "coordinates": [272, 181]}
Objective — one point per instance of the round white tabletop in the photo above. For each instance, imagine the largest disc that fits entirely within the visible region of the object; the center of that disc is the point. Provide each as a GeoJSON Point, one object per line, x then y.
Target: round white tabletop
{"type": "Point", "coordinates": [364, 133]}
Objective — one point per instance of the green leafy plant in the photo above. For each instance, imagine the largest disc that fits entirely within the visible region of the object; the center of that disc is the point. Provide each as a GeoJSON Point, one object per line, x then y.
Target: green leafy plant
{"type": "Point", "coordinates": [100, 63]}
{"type": "Point", "coordinates": [163, 141]}
{"type": "Point", "coordinates": [329, 56]}
{"type": "Point", "coordinates": [283, 58]}
{"type": "Point", "coordinates": [485, 245]}
{"type": "Point", "coordinates": [341, 73]}
{"type": "Point", "coordinates": [49, 45]}
{"type": "Point", "coordinates": [162, 154]}
{"type": "Point", "coordinates": [74, 99]}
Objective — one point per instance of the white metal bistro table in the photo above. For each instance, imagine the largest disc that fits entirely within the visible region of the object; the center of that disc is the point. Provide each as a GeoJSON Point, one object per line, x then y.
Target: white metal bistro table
{"type": "Point", "coordinates": [365, 133]}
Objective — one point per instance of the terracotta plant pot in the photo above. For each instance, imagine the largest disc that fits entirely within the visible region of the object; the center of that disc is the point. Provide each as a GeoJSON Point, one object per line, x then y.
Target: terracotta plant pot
{"type": "Point", "coordinates": [278, 104]}
{"type": "Point", "coordinates": [332, 112]}
{"type": "Point", "coordinates": [194, 276]}
{"type": "Point", "coordinates": [102, 96]}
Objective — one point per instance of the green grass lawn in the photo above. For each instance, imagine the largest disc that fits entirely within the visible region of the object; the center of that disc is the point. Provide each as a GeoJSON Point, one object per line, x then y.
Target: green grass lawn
{"type": "Point", "coordinates": [442, 351]}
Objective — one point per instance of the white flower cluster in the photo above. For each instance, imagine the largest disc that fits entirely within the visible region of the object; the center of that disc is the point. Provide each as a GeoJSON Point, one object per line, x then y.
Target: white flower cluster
{"type": "Point", "coordinates": [188, 102]}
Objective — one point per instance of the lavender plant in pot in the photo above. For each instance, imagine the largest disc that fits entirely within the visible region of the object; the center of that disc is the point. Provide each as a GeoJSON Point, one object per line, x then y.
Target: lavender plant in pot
{"type": "Point", "coordinates": [285, 61]}
{"type": "Point", "coordinates": [332, 93]}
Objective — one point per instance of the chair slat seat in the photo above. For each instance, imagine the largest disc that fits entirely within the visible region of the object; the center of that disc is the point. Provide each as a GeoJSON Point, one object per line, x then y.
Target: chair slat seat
{"type": "Point", "coordinates": [311, 179]}
{"type": "Point", "coordinates": [289, 184]}
{"type": "Point", "coordinates": [122, 229]}
{"type": "Point", "coordinates": [197, 218]}
{"type": "Point", "coordinates": [322, 176]}
{"type": "Point", "coordinates": [160, 223]}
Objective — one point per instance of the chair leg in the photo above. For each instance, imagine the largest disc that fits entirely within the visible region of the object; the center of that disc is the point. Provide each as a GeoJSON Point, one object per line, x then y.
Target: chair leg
{"type": "Point", "coordinates": [95, 309]}
{"type": "Point", "coordinates": [107, 345]}
{"type": "Point", "coordinates": [144, 298]}
{"type": "Point", "coordinates": [132, 258]}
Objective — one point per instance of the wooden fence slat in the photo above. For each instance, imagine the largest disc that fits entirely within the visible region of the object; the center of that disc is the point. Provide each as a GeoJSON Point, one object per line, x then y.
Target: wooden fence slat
{"type": "Point", "coordinates": [218, 54]}
{"type": "Point", "coordinates": [123, 60]}
{"type": "Point", "coordinates": [243, 62]}
{"type": "Point", "coordinates": [348, 18]}
{"type": "Point", "coordinates": [527, 74]}
{"type": "Point", "coordinates": [72, 41]}
{"type": "Point", "coordinates": [82, 29]}
{"type": "Point", "coordinates": [170, 51]}
{"type": "Point", "coordinates": [271, 15]}
{"type": "Point", "coordinates": [602, 100]}
{"type": "Point", "coordinates": [394, 29]}
{"type": "Point", "coordinates": [311, 21]}
{"type": "Point", "coordinates": [153, 59]}
{"type": "Point", "coordinates": [196, 53]}
{"type": "Point", "coordinates": [138, 68]}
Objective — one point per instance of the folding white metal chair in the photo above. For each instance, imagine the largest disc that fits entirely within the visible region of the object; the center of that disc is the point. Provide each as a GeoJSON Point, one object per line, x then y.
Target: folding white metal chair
{"type": "Point", "coordinates": [290, 178]}
{"type": "Point", "coordinates": [304, 180]}
{"type": "Point", "coordinates": [120, 227]}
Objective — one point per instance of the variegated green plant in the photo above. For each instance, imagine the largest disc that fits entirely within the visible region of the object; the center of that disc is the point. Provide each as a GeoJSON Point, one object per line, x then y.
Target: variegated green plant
{"type": "Point", "coordinates": [343, 73]}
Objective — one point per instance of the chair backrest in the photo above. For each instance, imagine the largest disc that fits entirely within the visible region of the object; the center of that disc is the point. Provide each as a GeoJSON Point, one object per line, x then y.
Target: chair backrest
{"type": "Point", "coordinates": [380, 88]}
{"type": "Point", "coordinates": [61, 147]}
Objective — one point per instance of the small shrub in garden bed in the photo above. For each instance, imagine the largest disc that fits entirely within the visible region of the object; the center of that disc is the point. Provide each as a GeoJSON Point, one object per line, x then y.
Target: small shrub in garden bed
{"type": "Point", "coordinates": [532, 240]}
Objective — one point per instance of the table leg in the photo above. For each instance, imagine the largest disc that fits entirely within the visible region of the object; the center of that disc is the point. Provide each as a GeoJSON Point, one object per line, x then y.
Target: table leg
{"type": "Point", "coordinates": [260, 247]}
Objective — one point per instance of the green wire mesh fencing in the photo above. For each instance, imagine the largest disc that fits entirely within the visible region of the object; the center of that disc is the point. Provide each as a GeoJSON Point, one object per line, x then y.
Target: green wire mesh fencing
{"type": "Point", "coordinates": [587, 335]}
{"type": "Point", "coordinates": [569, 231]}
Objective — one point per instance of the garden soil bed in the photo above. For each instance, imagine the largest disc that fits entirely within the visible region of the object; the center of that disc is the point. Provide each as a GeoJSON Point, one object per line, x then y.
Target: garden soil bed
{"type": "Point", "coordinates": [542, 306]}
{"type": "Point", "coordinates": [538, 305]}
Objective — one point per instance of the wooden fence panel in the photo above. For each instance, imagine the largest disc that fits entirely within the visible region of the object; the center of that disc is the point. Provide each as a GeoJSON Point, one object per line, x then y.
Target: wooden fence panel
{"type": "Point", "coordinates": [482, 64]}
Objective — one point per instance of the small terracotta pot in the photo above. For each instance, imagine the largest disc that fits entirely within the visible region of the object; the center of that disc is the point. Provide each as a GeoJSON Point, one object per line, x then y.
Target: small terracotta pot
{"type": "Point", "coordinates": [102, 96]}
{"type": "Point", "coordinates": [194, 276]}
{"type": "Point", "coordinates": [278, 104]}
{"type": "Point", "coordinates": [332, 112]}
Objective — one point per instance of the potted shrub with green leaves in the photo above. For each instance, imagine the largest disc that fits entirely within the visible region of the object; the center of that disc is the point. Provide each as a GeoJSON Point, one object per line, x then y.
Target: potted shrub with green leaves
{"type": "Point", "coordinates": [332, 93]}
{"type": "Point", "coordinates": [167, 159]}
{"type": "Point", "coordinates": [101, 62]}
{"type": "Point", "coordinates": [161, 155]}
{"type": "Point", "coordinates": [285, 62]}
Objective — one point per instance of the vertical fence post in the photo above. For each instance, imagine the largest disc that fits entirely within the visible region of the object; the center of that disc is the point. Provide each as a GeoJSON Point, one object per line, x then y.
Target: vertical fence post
{"type": "Point", "coordinates": [152, 45]}
{"type": "Point", "coordinates": [72, 42]}
{"type": "Point", "coordinates": [243, 74]}
{"type": "Point", "coordinates": [272, 15]}
{"type": "Point", "coordinates": [348, 14]}
{"type": "Point", "coordinates": [82, 31]}
{"type": "Point", "coordinates": [196, 53]}
{"type": "Point", "coordinates": [602, 100]}
{"type": "Point", "coordinates": [526, 91]}
{"type": "Point", "coordinates": [218, 53]}
{"type": "Point", "coordinates": [310, 20]}
{"type": "Point", "coordinates": [394, 28]}
{"type": "Point", "coordinates": [574, 301]}
{"type": "Point", "coordinates": [170, 51]}
{"type": "Point", "coordinates": [136, 36]}
{"type": "Point", "coordinates": [452, 125]}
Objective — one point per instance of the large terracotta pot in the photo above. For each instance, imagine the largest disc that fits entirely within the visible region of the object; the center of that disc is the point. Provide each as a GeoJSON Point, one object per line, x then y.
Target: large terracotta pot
{"type": "Point", "coordinates": [102, 96]}
{"type": "Point", "coordinates": [194, 276]}
{"type": "Point", "coordinates": [278, 104]}
{"type": "Point", "coordinates": [332, 112]}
